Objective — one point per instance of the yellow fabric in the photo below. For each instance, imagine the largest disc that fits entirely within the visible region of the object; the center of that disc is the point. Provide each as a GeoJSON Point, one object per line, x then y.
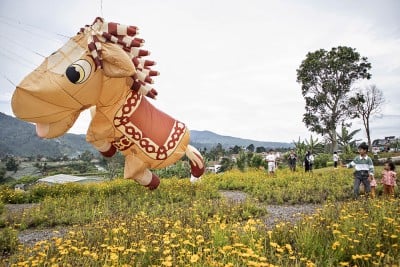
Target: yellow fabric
{"type": "Point", "coordinates": [49, 98]}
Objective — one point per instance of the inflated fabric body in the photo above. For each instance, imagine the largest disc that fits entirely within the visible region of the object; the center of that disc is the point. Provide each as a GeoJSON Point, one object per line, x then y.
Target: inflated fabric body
{"type": "Point", "coordinates": [102, 68]}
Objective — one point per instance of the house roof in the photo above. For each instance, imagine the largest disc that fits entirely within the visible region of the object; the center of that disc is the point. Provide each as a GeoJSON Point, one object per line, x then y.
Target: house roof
{"type": "Point", "coordinates": [65, 178]}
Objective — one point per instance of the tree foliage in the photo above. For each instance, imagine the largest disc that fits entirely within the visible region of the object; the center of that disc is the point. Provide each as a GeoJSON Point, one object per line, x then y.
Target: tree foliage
{"type": "Point", "coordinates": [12, 164]}
{"type": "Point", "coordinates": [256, 161]}
{"type": "Point", "coordinates": [346, 139]}
{"type": "Point", "coordinates": [314, 145]}
{"type": "Point", "coordinates": [226, 164]}
{"type": "Point", "coordinates": [2, 172]}
{"type": "Point", "coordinates": [235, 150]}
{"type": "Point", "coordinates": [250, 148]}
{"type": "Point", "coordinates": [260, 149]}
{"type": "Point", "coordinates": [181, 169]}
{"type": "Point", "coordinates": [300, 149]}
{"type": "Point", "coordinates": [241, 161]}
{"type": "Point", "coordinates": [86, 156]}
{"type": "Point", "coordinates": [114, 165]}
{"type": "Point", "coordinates": [216, 152]}
{"type": "Point", "coordinates": [326, 78]}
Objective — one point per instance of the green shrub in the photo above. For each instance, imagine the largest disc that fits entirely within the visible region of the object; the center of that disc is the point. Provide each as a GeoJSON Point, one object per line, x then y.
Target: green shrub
{"type": "Point", "coordinates": [8, 241]}
{"type": "Point", "coordinates": [321, 160]}
{"type": "Point", "coordinates": [180, 169]}
{"type": "Point", "coordinates": [11, 196]}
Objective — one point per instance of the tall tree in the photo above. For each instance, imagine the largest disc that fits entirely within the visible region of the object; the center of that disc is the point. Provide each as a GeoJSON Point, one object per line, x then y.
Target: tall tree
{"type": "Point", "coordinates": [235, 150]}
{"type": "Point", "coordinates": [12, 164]}
{"type": "Point", "coordinates": [326, 78]}
{"type": "Point", "coordinates": [260, 149]}
{"type": "Point", "coordinates": [368, 102]}
{"type": "Point", "coordinates": [250, 148]}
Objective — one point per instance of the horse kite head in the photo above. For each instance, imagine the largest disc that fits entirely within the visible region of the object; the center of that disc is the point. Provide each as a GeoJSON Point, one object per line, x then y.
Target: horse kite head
{"type": "Point", "coordinates": [71, 79]}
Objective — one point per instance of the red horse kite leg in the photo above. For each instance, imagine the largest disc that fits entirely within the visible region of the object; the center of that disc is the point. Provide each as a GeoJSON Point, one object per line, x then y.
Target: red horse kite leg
{"type": "Point", "coordinates": [102, 68]}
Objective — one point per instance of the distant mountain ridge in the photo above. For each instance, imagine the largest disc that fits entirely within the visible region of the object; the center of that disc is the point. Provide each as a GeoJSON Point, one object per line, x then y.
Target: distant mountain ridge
{"type": "Point", "coordinates": [209, 139]}
{"type": "Point", "coordinates": [19, 138]}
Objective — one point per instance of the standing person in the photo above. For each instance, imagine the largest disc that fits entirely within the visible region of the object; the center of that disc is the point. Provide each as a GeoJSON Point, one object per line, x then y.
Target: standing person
{"type": "Point", "coordinates": [292, 158]}
{"type": "Point", "coordinates": [335, 159]}
{"type": "Point", "coordinates": [311, 157]}
{"type": "Point", "coordinates": [364, 170]}
{"type": "Point", "coordinates": [307, 162]}
{"type": "Point", "coordinates": [270, 158]}
{"type": "Point", "coordinates": [388, 179]}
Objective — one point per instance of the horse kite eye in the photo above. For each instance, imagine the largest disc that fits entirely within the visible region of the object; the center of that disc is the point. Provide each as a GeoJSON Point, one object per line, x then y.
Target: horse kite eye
{"type": "Point", "coordinates": [79, 71]}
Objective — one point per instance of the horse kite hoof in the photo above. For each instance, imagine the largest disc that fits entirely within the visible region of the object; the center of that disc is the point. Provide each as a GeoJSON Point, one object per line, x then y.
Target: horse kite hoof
{"type": "Point", "coordinates": [155, 182]}
{"type": "Point", "coordinates": [196, 169]}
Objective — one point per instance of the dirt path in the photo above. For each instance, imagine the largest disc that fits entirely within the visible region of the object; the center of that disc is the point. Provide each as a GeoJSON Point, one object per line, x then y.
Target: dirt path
{"type": "Point", "coordinates": [31, 236]}
{"type": "Point", "coordinates": [276, 214]}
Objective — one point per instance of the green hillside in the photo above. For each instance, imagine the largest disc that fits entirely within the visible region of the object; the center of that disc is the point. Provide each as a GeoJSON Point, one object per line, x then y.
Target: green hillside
{"type": "Point", "coordinates": [19, 138]}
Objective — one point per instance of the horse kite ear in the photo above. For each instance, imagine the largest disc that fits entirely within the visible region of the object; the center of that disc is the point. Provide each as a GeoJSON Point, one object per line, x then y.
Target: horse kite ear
{"type": "Point", "coordinates": [116, 62]}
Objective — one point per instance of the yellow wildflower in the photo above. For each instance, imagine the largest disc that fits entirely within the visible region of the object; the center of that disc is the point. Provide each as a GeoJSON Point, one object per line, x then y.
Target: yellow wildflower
{"type": "Point", "coordinates": [167, 263]}
{"type": "Point", "coordinates": [194, 258]}
{"type": "Point", "coordinates": [335, 245]}
{"type": "Point", "coordinates": [114, 256]}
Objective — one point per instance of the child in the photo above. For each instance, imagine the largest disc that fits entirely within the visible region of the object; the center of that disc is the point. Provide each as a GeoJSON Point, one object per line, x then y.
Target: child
{"type": "Point", "coordinates": [373, 186]}
{"type": "Point", "coordinates": [388, 179]}
{"type": "Point", "coordinates": [364, 170]}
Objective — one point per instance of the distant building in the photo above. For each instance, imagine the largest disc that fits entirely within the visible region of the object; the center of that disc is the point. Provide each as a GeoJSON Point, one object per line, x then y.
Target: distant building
{"type": "Point", "coordinates": [214, 169]}
{"type": "Point", "coordinates": [65, 178]}
{"type": "Point", "coordinates": [20, 187]}
{"type": "Point", "coordinates": [213, 166]}
{"type": "Point", "coordinates": [379, 145]}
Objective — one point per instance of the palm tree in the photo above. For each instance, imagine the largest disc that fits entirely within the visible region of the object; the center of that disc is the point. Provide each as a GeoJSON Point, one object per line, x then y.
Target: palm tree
{"type": "Point", "coordinates": [300, 149]}
{"type": "Point", "coordinates": [314, 145]}
{"type": "Point", "coordinates": [345, 139]}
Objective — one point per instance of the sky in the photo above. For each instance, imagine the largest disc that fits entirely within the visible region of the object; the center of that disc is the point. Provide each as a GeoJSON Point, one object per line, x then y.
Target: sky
{"type": "Point", "coordinates": [225, 66]}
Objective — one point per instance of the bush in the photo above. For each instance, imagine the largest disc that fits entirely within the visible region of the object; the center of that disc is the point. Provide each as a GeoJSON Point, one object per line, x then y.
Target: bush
{"type": "Point", "coordinates": [11, 196]}
{"type": "Point", "coordinates": [8, 241]}
{"type": "Point", "coordinates": [2, 172]}
{"type": "Point", "coordinates": [321, 161]}
{"type": "Point", "coordinates": [180, 169]}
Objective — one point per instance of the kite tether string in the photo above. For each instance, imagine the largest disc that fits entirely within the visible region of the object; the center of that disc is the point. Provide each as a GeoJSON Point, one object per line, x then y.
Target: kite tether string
{"type": "Point", "coordinates": [19, 26]}
{"type": "Point", "coordinates": [101, 8]}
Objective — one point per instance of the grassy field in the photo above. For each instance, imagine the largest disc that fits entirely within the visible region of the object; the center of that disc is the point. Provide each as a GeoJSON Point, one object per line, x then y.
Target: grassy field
{"type": "Point", "coordinates": [120, 223]}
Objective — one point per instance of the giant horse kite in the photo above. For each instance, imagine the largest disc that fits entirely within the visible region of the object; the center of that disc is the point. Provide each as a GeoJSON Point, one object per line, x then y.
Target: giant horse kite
{"type": "Point", "coordinates": [102, 68]}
